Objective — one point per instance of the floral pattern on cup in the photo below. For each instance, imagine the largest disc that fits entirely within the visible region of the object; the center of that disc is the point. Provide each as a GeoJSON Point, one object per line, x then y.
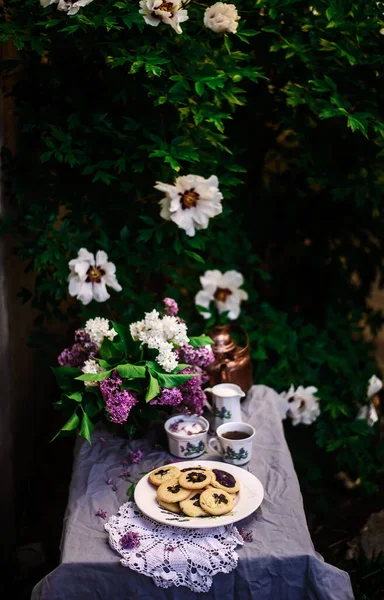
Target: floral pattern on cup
{"type": "Point", "coordinates": [230, 454]}
{"type": "Point", "coordinates": [223, 413]}
{"type": "Point", "coordinates": [190, 448]}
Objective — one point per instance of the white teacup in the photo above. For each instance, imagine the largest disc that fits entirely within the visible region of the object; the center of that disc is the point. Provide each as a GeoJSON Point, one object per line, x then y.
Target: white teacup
{"type": "Point", "coordinates": [233, 451]}
{"type": "Point", "coordinates": [185, 445]}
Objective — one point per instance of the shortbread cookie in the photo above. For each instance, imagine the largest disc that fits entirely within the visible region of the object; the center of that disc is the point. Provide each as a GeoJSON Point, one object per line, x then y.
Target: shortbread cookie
{"type": "Point", "coordinates": [195, 480]}
{"type": "Point", "coordinates": [164, 474]}
{"type": "Point", "coordinates": [171, 491]}
{"type": "Point", "coordinates": [191, 506]}
{"type": "Point", "coordinates": [216, 502]}
{"type": "Point", "coordinates": [171, 506]}
{"type": "Point", "coordinates": [225, 481]}
{"type": "Point", "coordinates": [210, 487]}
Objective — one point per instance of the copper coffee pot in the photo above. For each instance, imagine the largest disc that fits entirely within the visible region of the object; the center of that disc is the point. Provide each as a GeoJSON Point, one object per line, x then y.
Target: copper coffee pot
{"type": "Point", "coordinates": [232, 362]}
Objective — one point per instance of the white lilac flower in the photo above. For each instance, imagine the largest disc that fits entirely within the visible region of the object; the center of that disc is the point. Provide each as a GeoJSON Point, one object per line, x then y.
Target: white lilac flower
{"type": "Point", "coordinates": [224, 290]}
{"type": "Point", "coordinates": [374, 385]}
{"type": "Point", "coordinates": [98, 329]}
{"type": "Point", "coordinates": [191, 202]}
{"type": "Point", "coordinates": [162, 334]}
{"type": "Point", "coordinates": [71, 7]}
{"type": "Point", "coordinates": [91, 366]}
{"type": "Point", "coordinates": [88, 277]}
{"type": "Point", "coordinates": [303, 406]}
{"type": "Point", "coordinates": [369, 414]}
{"type": "Point", "coordinates": [170, 12]}
{"type": "Point", "coordinates": [222, 18]}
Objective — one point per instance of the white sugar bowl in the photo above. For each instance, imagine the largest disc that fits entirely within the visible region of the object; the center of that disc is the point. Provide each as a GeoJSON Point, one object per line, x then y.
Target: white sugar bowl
{"type": "Point", "coordinates": [187, 436]}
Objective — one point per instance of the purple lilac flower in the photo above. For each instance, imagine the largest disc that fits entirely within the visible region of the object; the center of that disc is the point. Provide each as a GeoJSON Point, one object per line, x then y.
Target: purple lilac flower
{"type": "Point", "coordinates": [194, 402]}
{"type": "Point", "coordinates": [109, 481]}
{"type": "Point", "coordinates": [125, 475]}
{"type": "Point", "coordinates": [82, 338]}
{"type": "Point", "coordinates": [201, 357]}
{"type": "Point", "coordinates": [193, 383]}
{"type": "Point", "coordinates": [80, 351]}
{"type": "Point", "coordinates": [171, 307]}
{"type": "Point", "coordinates": [101, 513]}
{"type": "Point", "coordinates": [136, 457]}
{"type": "Point", "coordinates": [171, 397]}
{"type": "Point", "coordinates": [72, 357]}
{"type": "Point", "coordinates": [246, 535]}
{"type": "Point", "coordinates": [130, 540]}
{"type": "Point", "coordinates": [117, 402]}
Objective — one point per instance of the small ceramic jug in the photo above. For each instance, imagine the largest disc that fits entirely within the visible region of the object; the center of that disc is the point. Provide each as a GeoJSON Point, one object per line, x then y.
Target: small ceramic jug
{"type": "Point", "coordinates": [226, 403]}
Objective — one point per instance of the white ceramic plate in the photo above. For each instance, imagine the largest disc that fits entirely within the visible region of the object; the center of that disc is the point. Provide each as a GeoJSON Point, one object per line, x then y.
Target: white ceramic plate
{"type": "Point", "coordinates": [247, 500]}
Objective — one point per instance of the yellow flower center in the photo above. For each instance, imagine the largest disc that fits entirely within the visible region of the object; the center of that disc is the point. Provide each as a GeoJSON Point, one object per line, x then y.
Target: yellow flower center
{"type": "Point", "coordinates": [222, 294]}
{"type": "Point", "coordinates": [165, 6]}
{"type": "Point", "coordinates": [94, 274]}
{"type": "Point", "coordinates": [189, 198]}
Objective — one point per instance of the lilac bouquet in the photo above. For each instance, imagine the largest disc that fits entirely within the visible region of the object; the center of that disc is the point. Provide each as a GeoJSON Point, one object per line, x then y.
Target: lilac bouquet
{"type": "Point", "coordinates": [127, 375]}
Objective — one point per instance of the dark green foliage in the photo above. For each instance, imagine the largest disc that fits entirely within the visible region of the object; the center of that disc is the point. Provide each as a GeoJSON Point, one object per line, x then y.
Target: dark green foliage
{"type": "Point", "coordinates": [288, 114]}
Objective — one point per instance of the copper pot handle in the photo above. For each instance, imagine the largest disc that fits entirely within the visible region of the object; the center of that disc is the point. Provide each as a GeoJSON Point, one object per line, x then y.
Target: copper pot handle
{"type": "Point", "coordinates": [223, 373]}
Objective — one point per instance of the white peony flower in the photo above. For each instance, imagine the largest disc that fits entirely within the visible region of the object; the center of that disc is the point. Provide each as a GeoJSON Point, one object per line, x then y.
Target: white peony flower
{"type": "Point", "coordinates": [191, 202]}
{"type": "Point", "coordinates": [282, 402]}
{"type": "Point", "coordinates": [89, 277]}
{"type": "Point", "coordinates": [98, 329]}
{"type": "Point", "coordinates": [222, 18]}
{"type": "Point", "coordinates": [91, 366]}
{"type": "Point", "coordinates": [374, 385]}
{"type": "Point", "coordinates": [170, 12]}
{"type": "Point", "coordinates": [69, 6]}
{"type": "Point", "coordinates": [224, 290]}
{"type": "Point", "coordinates": [369, 413]}
{"type": "Point", "coordinates": [303, 406]}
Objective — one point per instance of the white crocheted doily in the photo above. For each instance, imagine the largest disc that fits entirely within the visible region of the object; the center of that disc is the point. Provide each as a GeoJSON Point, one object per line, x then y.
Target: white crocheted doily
{"type": "Point", "coordinates": [172, 555]}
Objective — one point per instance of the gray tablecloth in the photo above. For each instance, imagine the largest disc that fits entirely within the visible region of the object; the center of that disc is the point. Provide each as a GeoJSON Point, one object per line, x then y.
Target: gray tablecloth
{"type": "Point", "coordinates": [279, 564]}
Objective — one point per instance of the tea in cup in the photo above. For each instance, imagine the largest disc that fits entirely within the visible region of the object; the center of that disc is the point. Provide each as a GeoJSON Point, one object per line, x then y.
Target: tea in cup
{"type": "Point", "coordinates": [233, 443]}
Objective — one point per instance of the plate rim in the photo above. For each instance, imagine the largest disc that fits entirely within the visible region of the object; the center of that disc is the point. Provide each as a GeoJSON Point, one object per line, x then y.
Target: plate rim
{"type": "Point", "coordinates": [202, 524]}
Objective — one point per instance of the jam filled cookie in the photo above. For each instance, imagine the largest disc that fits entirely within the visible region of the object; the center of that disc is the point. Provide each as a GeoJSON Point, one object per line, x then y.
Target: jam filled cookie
{"type": "Point", "coordinates": [201, 469]}
{"type": "Point", "coordinates": [171, 506]}
{"type": "Point", "coordinates": [195, 480]}
{"type": "Point", "coordinates": [225, 481]}
{"type": "Point", "coordinates": [216, 502]}
{"type": "Point", "coordinates": [191, 506]}
{"type": "Point", "coordinates": [171, 491]}
{"type": "Point", "coordinates": [164, 474]}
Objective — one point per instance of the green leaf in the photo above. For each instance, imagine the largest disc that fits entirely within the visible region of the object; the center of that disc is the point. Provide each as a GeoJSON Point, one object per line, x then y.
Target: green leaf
{"type": "Point", "coordinates": [65, 377]}
{"type": "Point", "coordinates": [194, 255]}
{"type": "Point", "coordinates": [70, 425]}
{"type": "Point", "coordinates": [131, 492]}
{"type": "Point", "coordinates": [131, 371]}
{"type": "Point", "coordinates": [180, 367]}
{"type": "Point", "coordinates": [199, 87]}
{"type": "Point", "coordinates": [153, 389]}
{"type": "Point", "coordinates": [136, 385]}
{"type": "Point", "coordinates": [109, 352]}
{"type": "Point", "coordinates": [103, 363]}
{"type": "Point", "coordinates": [201, 340]}
{"type": "Point", "coordinates": [94, 376]}
{"type": "Point", "coordinates": [171, 381]}
{"type": "Point", "coordinates": [76, 396]}
{"type": "Point", "coordinates": [86, 428]}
